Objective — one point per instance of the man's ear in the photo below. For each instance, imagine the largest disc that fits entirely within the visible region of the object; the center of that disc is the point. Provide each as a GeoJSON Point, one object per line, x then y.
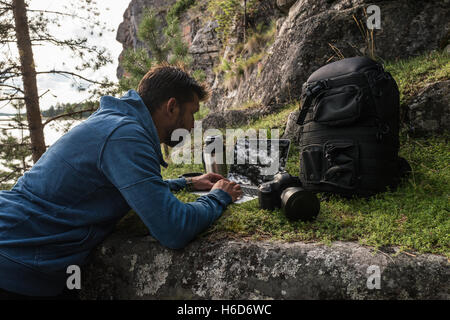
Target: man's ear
{"type": "Point", "coordinates": [172, 107]}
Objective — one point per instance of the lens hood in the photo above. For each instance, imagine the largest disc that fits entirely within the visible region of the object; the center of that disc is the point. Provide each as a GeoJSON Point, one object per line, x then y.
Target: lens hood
{"type": "Point", "coordinates": [299, 204]}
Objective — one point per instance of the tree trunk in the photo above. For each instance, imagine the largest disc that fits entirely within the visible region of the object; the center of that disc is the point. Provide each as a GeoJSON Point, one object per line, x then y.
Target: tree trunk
{"type": "Point", "coordinates": [29, 79]}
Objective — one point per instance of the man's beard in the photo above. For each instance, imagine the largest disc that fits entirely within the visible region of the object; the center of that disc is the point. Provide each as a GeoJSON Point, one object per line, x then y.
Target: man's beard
{"type": "Point", "coordinates": [172, 142]}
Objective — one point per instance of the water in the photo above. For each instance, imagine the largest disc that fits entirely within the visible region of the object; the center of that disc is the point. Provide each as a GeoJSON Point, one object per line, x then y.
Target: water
{"type": "Point", "coordinates": [52, 132]}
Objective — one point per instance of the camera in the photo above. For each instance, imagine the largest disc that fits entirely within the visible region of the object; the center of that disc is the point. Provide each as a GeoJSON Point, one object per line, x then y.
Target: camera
{"type": "Point", "coordinates": [286, 192]}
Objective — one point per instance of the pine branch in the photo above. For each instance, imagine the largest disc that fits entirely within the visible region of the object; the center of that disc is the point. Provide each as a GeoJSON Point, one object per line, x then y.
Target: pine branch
{"type": "Point", "coordinates": [72, 74]}
{"type": "Point", "coordinates": [67, 115]}
{"type": "Point", "coordinates": [6, 4]}
{"type": "Point", "coordinates": [8, 177]}
{"type": "Point", "coordinates": [11, 87]}
{"type": "Point", "coordinates": [60, 13]}
{"type": "Point", "coordinates": [12, 98]}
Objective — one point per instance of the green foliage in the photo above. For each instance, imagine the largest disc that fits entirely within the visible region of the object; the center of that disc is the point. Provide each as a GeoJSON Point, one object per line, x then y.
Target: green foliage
{"type": "Point", "coordinates": [247, 56]}
{"type": "Point", "coordinates": [413, 74]}
{"type": "Point", "coordinates": [178, 8]}
{"type": "Point", "coordinates": [202, 112]}
{"type": "Point", "coordinates": [149, 33]}
{"type": "Point", "coordinates": [227, 13]}
{"type": "Point", "coordinates": [165, 45]}
{"type": "Point", "coordinates": [15, 153]}
{"type": "Point", "coordinates": [136, 63]}
{"type": "Point", "coordinates": [259, 38]}
{"type": "Point", "coordinates": [250, 104]}
{"type": "Point", "coordinates": [66, 108]}
{"type": "Point", "coordinates": [199, 75]}
{"type": "Point", "coordinates": [224, 12]}
{"type": "Point", "coordinates": [177, 48]}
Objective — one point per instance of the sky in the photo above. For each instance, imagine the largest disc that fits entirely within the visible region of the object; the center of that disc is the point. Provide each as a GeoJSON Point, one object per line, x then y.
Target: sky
{"type": "Point", "coordinates": [49, 57]}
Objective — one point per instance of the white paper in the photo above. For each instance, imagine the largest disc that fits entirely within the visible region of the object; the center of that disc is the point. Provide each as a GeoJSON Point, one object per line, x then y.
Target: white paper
{"type": "Point", "coordinates": [244, 198]}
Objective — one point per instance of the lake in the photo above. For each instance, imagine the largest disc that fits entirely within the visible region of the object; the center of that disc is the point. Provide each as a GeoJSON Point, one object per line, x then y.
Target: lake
{"type": "Point", "coordinates": [52, 131]}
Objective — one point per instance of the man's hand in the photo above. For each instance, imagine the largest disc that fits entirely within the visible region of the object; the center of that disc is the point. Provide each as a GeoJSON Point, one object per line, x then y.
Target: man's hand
{"type": "Point", "coordinates": [205, 182]}
{"type": "Point", "coordinates": [232, 188]}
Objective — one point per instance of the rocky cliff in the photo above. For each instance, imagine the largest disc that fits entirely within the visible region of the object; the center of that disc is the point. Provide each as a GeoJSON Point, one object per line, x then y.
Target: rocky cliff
{"type": "Point", "coordinates": [203, 43]}
{"type": "Point", "coordinates": [309, 33]}
{"type": "Point", "coordinates": [127, 30]}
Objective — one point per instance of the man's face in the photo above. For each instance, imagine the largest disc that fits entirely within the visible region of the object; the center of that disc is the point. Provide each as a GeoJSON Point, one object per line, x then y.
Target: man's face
{"type": "Point", "coordinates": [185, 119]}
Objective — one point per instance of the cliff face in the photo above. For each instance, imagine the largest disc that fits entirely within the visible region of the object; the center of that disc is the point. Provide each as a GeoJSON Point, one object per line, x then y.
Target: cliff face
{"type": "Point", "coordinates": [309, 33]}
{"type": "Point", "coordinates": [127, 31]}
{"type": "Point", "coordinates": [201, 36]}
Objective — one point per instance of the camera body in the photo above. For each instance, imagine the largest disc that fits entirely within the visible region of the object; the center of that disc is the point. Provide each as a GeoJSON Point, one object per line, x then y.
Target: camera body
{"type": "Point", "coordinates": [286, 192]}
{"type": "Point", "coordinates": [269, 193]}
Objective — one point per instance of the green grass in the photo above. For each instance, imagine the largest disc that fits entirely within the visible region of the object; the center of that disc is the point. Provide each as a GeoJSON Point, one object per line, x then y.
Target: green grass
{"type": "Point", "coordinates": [413, 74]}
{"type": "Point", "coordinates": [202, 112]}
{"type": "Point", "coordinates": [415, 217]}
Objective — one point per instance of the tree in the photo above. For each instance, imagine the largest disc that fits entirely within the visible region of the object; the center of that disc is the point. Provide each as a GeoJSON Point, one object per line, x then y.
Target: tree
{"type": "Point", "coordinates": [163, 43]}
{"type": "Point", "coordinates": [27, 28]}
{"type": "Point", "coordinates": [28, 70]}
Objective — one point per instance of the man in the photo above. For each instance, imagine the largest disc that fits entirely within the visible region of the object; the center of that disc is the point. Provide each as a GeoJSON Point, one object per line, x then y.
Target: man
{"type": "Point", "coordinates": [91, 177]}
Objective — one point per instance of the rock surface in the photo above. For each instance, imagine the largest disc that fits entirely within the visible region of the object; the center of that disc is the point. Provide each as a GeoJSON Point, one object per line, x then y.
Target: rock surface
{"type": "Point", "coordinates": [429, 112]}
{"type": "Point", "coordinates": [125, 267]}
{"type": "Point", "coordinates": [312, 33]}
{"type": "Point", "coordinates": [127, 30]}
{"type": "Point", "coordinates": [285, 5]}
{"type": "Point", "coordinates": [201, 37]}
{"type": "Point", "coordinates": [205, 49]}
{"type": "Point", "coordinates": [304, 39]}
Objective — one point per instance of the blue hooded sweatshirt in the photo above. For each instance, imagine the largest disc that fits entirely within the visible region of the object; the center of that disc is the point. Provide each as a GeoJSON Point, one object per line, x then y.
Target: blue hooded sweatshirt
{"type": "Point", "coordinates": [82, 185]}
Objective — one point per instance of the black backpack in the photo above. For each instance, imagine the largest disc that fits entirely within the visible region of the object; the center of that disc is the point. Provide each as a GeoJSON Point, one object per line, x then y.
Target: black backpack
{"type": "Point", "coordinates": [349, 138]}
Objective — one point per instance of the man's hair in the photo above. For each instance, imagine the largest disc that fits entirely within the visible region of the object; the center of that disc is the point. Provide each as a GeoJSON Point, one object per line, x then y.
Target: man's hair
{"type": "Point", "coordinates": [166, 81]}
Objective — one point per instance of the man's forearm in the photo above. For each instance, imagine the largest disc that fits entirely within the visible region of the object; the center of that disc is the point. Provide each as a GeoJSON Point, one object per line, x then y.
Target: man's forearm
{"type": "Point", "coordinates": [176, 184]}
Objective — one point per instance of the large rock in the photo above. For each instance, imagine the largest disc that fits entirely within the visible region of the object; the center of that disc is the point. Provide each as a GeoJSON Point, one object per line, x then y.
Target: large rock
{"type": "Point", "coordinates": [305, 38]}
{"type": "Point", "coordinates": [205, 49]}
{"type": "Point", "coordinates": [285, 5]}
{"type": "Point", "coordinates": [429, 112]}
{"type": "Point", "coordinates": [232, 118]}
{"type": "Point", "coordinates": [127, 267]}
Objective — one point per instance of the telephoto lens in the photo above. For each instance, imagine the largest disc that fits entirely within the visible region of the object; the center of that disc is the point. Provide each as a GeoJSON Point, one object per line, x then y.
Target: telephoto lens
{"type": "Point", "coordinates": [299, 204]}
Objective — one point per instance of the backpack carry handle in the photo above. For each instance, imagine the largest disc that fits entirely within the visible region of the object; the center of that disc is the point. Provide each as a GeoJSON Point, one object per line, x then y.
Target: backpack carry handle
{"type": "Point", "coordinates": [310, 92]}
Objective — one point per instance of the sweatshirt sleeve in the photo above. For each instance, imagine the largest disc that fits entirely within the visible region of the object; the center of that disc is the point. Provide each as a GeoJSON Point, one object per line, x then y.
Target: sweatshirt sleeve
{"type": "Point", "coordinates": [130, 162]}
{"type": "Point", "coordinates": [176, 184]}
